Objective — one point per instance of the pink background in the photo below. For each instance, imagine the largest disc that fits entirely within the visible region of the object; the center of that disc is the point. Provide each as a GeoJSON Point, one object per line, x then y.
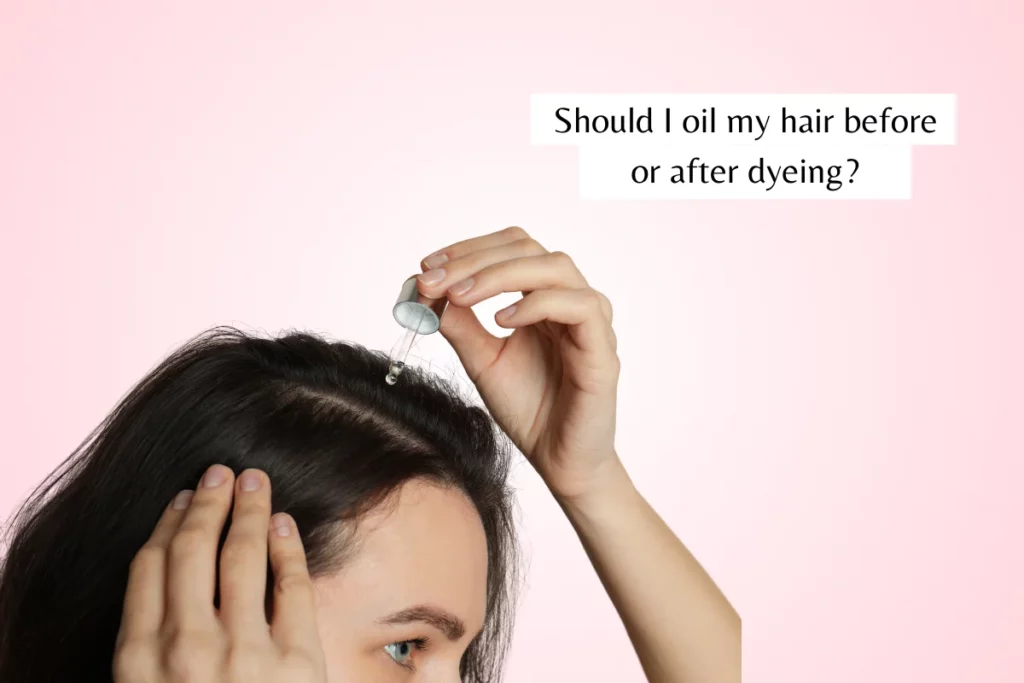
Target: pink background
{"type": "Point", "coordinates": [824, 399]}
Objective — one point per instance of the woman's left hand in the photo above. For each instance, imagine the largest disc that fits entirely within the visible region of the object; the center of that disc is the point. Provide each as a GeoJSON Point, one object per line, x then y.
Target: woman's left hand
{"type": "Point", "coordinates": [551, 384]}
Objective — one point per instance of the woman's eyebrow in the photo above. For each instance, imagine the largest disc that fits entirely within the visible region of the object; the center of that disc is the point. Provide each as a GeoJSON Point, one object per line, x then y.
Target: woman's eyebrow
{"type": "Point", "coordinates": [445, 622]}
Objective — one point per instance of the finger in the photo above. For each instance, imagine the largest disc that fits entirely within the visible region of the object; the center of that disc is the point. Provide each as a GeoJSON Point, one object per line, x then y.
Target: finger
{"type": "Point", "coordinates": [144, 597]}
{"type": "Point", "coordinates": [294, 621]}
{"type": "Point", "coordinates": [476, 348]}
{"type": "Point", "coordinates": [192, 569]}
{"type": "Point", "coordinates": [606, 308]}
{"type": "Point", "coordinates": [460, 249]}
{"type": "Point", "coordinates": [579, 309]}
{"type": "Point", "coordinates": [243, 559]}
{"type": "Point", "coordinates": [526, 274]}
{"type": "Point", "coordinates": [457, 275]}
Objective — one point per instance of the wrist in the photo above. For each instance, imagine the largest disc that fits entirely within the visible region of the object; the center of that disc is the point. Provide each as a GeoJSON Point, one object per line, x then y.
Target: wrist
{"type": "Point", "coordinates": [610, 484]}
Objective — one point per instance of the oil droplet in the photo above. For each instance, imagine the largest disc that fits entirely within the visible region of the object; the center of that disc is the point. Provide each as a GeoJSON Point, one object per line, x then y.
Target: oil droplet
{"type": "Point", "coordinates": [393, 372]}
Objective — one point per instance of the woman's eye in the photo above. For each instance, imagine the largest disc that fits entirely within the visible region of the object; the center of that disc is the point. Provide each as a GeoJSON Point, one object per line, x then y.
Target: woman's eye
{"type": "Point", "coordinates": [400, 652]}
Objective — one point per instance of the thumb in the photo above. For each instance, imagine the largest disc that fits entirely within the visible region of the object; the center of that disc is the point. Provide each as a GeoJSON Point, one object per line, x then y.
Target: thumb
{"type": "Point", "coordinates": [476, 348]}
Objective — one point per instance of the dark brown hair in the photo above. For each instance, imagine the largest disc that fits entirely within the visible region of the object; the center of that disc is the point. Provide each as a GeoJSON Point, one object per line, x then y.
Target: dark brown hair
{"type": "Point", "coordinates": [315, 415]}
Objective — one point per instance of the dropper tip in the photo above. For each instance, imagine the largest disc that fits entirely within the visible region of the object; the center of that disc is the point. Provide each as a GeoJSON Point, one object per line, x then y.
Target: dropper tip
{"type": "Point", "coordinates": [394, 370]}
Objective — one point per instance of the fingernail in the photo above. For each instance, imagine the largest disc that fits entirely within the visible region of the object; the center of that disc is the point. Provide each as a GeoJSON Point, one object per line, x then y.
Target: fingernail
{"type": "Point", "coordinates": [214, 477]}
{"type": "Point", "coordinates": [461, 287]}
{"type": "Point", "coordinates": [182, 500]}
{"type": "Point", "coordinates": [250, 481]}
{"type": "Point", "coordinates": [432, 277]}
{"type": "Point", "coordinates": [435, 260]}
{"type": "Point", "coordinates": [282, 527]}
{"type": "Point", "coordinates": [506, 313]}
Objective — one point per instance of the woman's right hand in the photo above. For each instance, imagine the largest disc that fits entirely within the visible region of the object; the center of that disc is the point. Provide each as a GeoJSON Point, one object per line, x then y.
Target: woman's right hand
{"type": "Point", "coordinates": [172, 632]}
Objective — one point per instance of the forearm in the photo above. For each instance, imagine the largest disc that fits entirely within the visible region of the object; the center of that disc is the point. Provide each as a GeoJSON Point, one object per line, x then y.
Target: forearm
{"type": "Point", "coordinates": [682, 627]}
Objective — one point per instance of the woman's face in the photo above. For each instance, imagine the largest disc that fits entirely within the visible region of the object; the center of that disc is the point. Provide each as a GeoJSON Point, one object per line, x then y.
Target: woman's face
{"type": "Point", "coordinates": [413, 597]}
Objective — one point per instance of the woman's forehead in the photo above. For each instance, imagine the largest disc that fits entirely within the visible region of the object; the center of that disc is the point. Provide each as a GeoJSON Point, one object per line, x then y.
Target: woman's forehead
{"type": "Point", "coordinates": [425, 546]}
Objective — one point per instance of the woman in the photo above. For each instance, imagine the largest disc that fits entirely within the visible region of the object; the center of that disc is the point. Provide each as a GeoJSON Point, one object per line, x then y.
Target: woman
{"type": "Point", "coordinates": [383, 509]}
